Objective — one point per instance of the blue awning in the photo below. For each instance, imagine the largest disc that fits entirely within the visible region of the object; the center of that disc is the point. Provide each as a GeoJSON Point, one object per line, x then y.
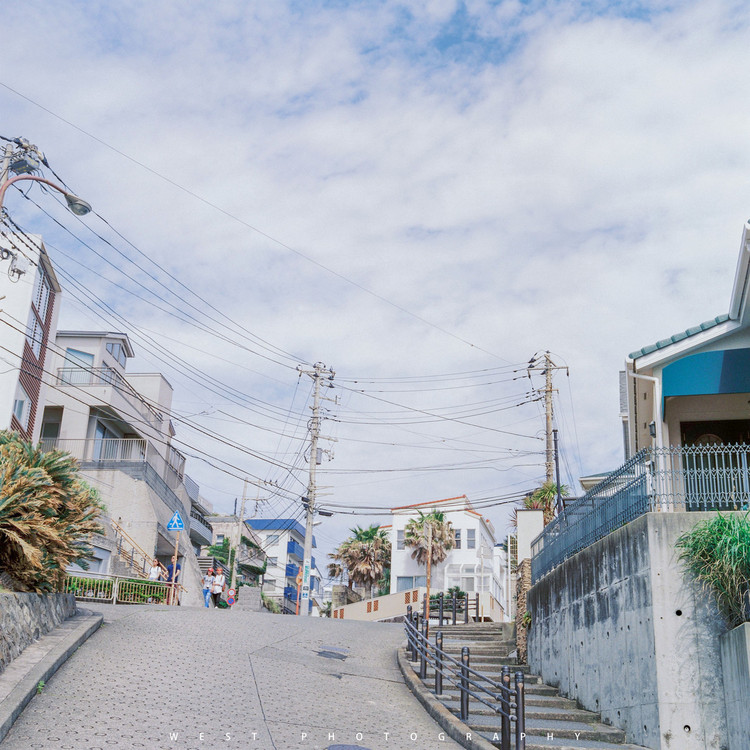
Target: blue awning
{"type": "Point", "coordinates": [725, 371]}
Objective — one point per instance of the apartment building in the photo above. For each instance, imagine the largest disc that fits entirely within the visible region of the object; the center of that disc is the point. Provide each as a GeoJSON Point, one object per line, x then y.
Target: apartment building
{"type": "Point", "coordinates": [251, 558]}
{"type": "Point", "coordinates": [283, 541]}
{"type": "Point", "coordinates": [30, 306]}
{"type": "Point", "coordinates": [117, 424]}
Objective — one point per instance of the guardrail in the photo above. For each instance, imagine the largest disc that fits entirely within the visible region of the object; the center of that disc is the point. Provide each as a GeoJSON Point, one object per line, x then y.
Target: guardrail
{"type": "Point", "coordinates": [509, 702]}
{"type": "Point", "coordinates": [676, 478]}
{"type": "Point", "coordinates": [455, 606]}
{"type": "Point", "coordinates": [93, 587]}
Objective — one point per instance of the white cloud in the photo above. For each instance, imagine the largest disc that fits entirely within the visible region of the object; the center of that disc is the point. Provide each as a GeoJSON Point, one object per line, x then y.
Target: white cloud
{"type": "Point", "coordinates": [582, 190]}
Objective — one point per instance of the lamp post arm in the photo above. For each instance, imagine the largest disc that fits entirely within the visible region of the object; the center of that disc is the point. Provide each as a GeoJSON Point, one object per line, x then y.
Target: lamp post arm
{"type": "Point", "coordinates": [83, 207]}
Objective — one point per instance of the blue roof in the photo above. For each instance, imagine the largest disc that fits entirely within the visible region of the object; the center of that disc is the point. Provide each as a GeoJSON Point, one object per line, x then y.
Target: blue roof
{"type": "Point", "coordinates": [664, 343]}
{"type": "Point", "coordinates": [277, 524]}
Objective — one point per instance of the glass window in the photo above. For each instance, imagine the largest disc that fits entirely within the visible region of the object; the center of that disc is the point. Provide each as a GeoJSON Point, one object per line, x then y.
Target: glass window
{"type": "Point", "coordinates": [457, 538]}
{"type": "Point", "coordinates": [273, 561]}
{"type": "Point", "coordinates": [400, 543]}
{"type": "Point", "coordinates": [219, 538]}
{"type": "Point", "coordinates": [420, 581]}
{"type": "Point", "coordinates": [118, 352]}
{"type": "Point", "coordinates": [22, 406]}
{"type": "Point", "coordinates": [34, 334]}
{"type": "Point", "coordinates": [269, 583]}
{"type": "Point", "coordinates": [404, 583]}
{"type": "Point", "coordinates": [272, 539]}
{"type": "Point", "coordinates": [471, 538]}
{"type": "Point", "coordinates": [41, 293]}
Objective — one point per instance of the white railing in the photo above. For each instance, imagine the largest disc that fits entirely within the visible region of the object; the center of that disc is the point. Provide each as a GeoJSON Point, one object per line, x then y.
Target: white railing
{"type": "Point", "coordinates": [96, 449]}
{"type": "Point", "coordinates": [107, 589]}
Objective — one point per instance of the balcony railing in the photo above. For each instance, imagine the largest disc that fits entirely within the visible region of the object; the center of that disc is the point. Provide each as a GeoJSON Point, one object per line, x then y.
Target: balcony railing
{"type": "Point", "coordinates": [291, 570]}
{"type": "Point", "coordinates": [681, 478]}
{"type": "Point", "coordinates": [109, 377]}
{"type": "Point", "coordinates": [201, 527]}
{"type": "Point", "coordinates": [295, 549]}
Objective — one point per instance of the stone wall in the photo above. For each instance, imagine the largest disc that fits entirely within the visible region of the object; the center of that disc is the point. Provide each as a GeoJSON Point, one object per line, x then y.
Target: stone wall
{"type": "Point", "coordinates": [26, 617]}
{"type": "Point", "coordinates": [623, 630]}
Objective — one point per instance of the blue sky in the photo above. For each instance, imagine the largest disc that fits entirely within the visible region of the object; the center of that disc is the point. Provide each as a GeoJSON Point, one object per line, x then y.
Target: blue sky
{"type": "Point", "coordinates": [439, 187]}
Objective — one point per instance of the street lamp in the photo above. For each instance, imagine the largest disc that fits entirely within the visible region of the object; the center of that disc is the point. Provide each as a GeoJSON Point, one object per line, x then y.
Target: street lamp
{"type": "Point", "coordinates": [77, 205]}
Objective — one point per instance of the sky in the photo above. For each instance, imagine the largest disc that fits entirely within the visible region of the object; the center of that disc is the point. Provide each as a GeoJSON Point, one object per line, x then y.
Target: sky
{"type": "Point", "coordinates": [422, 196]}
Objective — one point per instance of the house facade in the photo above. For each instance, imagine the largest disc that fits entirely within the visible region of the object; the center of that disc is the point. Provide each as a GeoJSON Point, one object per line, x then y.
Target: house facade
{"type": "Point", "coordinates": [283, 542]}
{"type": "Point", "coordinates": [474, 564]}
{"type": "Point", "coordinates": [693, 388]}
{"type": "Point", "coordinates": [251, 558]}
{"type": "Point", "coordinates": [30, 308]}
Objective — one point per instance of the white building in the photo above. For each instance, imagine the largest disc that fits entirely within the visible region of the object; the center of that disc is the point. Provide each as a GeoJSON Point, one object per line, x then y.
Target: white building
{"type": "Point", "coordinates": [475, 565]}
{"type": "Point", "coordinates": [283, 541]}
{"type": "Point", "coordinates": [251, 557]}
{"type": "Point", "coordinates": [28, 321]}
{"type": "Point", "coordinates": [117, 425]}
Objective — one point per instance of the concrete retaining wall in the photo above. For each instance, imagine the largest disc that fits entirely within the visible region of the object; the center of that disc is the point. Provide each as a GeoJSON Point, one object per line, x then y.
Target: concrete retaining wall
{"type": "Point", "coordinates": [620, 629]}
{"type": "Point", "coordinates": [735, 662]}
{"type": "Point", "coordinates": [26, 617]}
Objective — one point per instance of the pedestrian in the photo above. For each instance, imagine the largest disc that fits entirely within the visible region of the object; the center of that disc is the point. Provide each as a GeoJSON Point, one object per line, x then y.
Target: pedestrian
{"type": "Point", "coordinates": [155, 573]}
{"type": "Point", "coordinates": [208, 581]}
{"type": "Point", "coordinates": [218, 586]}
{"type": "Point", "coordinates": [173, 575]}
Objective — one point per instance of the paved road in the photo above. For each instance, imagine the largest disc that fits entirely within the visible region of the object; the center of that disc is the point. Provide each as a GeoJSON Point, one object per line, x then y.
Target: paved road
{"type": "Point", "coordinates": [198, 679]}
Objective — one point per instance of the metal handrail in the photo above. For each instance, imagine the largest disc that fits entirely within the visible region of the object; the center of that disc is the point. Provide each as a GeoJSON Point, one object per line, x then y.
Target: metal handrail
{"type": "Point", "coordinates": [503, 699]}
{"type": "Point", "coordinates": [455, 602]}
{"type": "Point", "coordinates": [145, 558]}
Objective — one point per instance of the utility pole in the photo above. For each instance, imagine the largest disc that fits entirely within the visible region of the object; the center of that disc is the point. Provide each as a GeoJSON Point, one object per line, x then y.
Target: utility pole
{"type": "Point", "coordinates": [547, 366]}
{"type": "Point", "coordinates": [318, 373]}
{"type": "Point", "coordinates": [238, 537]}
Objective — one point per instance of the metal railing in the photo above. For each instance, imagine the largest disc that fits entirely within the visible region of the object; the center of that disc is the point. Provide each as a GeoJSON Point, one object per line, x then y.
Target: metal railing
{"type": "Point", "coordinates": [509, 702]}
{"type": "Point", "coordinates": [94, 587]}
{"type": "Point", "coordinates": [133, 554]}
{"type": "Point", "coordinates": [451, 609]}
{"type": "Point", "coordinates": [676, 478]}
{"type": "Point", "coordinates": [201, 519]}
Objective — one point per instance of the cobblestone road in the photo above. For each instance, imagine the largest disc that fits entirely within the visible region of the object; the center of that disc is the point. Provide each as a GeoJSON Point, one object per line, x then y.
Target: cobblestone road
{"type": "Point", "coordinates": [198, 679]}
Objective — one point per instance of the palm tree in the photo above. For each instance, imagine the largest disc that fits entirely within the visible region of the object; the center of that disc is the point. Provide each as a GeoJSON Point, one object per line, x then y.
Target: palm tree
{"type": "Point", "coordinates": [432, 538]}
{"type": "Point", "coordinates": [364, 555]}
{"type": "Point", "coordinates": [544, 498]}
{"type": "Point", "coordinates": [47, 512]}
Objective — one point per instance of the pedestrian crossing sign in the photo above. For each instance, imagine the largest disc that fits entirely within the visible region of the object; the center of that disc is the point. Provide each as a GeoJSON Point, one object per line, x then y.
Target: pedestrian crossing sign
{"type": "Point", "coordinates": [176, 522]}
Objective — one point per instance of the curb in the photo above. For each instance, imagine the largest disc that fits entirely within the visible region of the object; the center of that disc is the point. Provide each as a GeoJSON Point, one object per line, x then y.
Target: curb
{"type": "Point", "coordinates": [19, 697]}
{"type": "Point", "coordinates": [453, 726]}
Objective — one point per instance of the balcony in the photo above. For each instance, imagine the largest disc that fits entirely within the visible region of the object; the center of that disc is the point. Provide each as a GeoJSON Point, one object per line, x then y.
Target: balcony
{"type": "Point", "coordinates": [295, 550]}
{"type": "Point", "coordinates": [292, 570]}
{"type": "Point", "coordinates": [115, 389]}
{"type": "Point", "coordinates": [201, 531]}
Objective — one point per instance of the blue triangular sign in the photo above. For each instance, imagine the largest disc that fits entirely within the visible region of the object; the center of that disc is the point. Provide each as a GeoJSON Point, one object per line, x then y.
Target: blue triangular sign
{"type": "Point", "coordinates": [175, 523]}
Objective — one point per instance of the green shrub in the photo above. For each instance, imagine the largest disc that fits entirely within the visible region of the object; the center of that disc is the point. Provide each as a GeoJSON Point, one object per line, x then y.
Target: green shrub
{"type": "Point", "coordinates": [717, 553]}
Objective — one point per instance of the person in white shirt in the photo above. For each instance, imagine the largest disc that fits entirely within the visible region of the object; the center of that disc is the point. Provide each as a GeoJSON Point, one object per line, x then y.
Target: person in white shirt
{"type": "Point", "coordinates": [218, 586]}
{"type": "Point", "coordinates": [155, 573]}
{"type": "Point", "coordinates": [208, 581]}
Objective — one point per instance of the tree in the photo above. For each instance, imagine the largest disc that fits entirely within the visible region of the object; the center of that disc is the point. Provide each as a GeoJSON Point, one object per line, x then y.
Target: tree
{"type": "Point", "coordinates": [544, 498]}
{"type": "Point", "coordinates": [432, 538]}
{"type": "Point", "coordinates": [364, 555]}
{"type": "Point", "coordinates": [47, 514]}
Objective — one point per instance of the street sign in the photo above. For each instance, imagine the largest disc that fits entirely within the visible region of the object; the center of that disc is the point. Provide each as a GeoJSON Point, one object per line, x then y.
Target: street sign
{"type": "Point", "coordinates": [176, 523]}
{"type": "Point", "coordinates": [231, 593]}
{"type": "Point", "coordinates": [230, 600]}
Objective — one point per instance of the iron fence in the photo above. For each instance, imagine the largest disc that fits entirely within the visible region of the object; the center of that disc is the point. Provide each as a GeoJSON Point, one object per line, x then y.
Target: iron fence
{"type": "Point", "coordinates": [502, 698]}
{"type": "Point", "coordinates": [452, 608]}
{"type": "Point", "coordinates": [675, 478]}
{"type": "Point", "coordinates": [91, 587]}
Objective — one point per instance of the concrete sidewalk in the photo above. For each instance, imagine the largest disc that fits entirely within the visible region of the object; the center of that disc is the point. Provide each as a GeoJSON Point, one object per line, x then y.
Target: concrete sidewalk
{"type": "Point", "coordinates": [160, 677]}
{"type": "Point", "coordinates": [31, 670]}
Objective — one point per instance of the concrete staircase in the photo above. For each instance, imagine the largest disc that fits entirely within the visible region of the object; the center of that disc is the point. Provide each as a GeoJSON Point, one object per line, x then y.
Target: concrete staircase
{"type": "Point", "coordinates": [552, 722]}
{"type": "Point", "coordinates": [249, 599]}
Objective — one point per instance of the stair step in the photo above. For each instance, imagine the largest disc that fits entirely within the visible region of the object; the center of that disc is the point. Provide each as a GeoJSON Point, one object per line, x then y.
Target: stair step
{"type": "Point", "coordinates": [562, 743]}
{"type": "Point", "coordinates": [570, 730]}
{"type": "Point", "coordinates": [544, 713]}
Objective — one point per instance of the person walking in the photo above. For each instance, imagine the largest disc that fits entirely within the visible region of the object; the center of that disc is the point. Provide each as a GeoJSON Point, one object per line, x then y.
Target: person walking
{"type": "Point", "coordinates": [154, 574]}
{"type": "Point", "coordinates": [208, 581]}
{"type": "Point", "coordinates": [218, 586]}
{"type": "Point", "coordinates": [173, 576]}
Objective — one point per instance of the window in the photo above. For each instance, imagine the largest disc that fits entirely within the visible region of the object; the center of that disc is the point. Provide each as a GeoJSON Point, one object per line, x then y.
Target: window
{"type": "Point", "coordinates": [22, 406]}
{"type": "Point", "coordinates": [457, 538]}
{"type": "Point", "coordinates": [219, 538]}
{"type": "Point", "coordinates": [272, 561]}
{"type": "Point", "coordinates": [272, 539]}
{"type": "Point", "coordinates": [77, 367]}
{"type": "Point", "coordinates": [41, 293]}
{"type": "Point", "coordinates": [34, 334]}
{"type": "Point", "coordinates": [406, 583]}
{"type": "Point", "coordinates": [400, 543]}
{"type": "Point", "coordinates": [471, 538]}
{"type": "Point", "coordinates": [269, 583]}
{"type": "Point", "coordinates": [118, 352]}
